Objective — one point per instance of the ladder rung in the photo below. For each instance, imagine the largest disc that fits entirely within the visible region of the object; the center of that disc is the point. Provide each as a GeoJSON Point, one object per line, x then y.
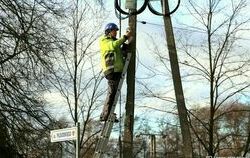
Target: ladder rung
{"type": "Point", "coordinates": [106, 131]}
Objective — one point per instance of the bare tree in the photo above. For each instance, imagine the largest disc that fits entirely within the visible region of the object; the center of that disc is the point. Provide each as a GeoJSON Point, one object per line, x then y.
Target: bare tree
{"type": "Point", "coordinates": [28, 41]}
{"type": "Point", "coordinates": [170, 140]}
{"type": "Point", "coordinates": [213, 56]}
{"type": "Point", "coordinates": [219, 61]}
{"type": "Point", "coordinates": [247, 144]}
{"type": "Point", "coordinates": [230, 130]}
{"type": "Point", "coordinates": [78, 77]}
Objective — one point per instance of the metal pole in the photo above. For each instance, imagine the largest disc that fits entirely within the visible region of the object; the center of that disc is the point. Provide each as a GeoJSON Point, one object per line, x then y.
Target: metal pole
{"type": "Point", "coordinates": [154, 143]}
{"type": "Point", "coordinates": [153, 146]}
{"type": "Point", "coordinates": [144, 148]}
{"type": "Point", "coordinates": [78, 140]}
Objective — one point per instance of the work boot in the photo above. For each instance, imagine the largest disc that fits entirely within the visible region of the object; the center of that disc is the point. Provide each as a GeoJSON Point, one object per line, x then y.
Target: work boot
{"type": "Point", "coordinates": [116, 120]}
{"type": "Point", "coordinates": [105, 118]}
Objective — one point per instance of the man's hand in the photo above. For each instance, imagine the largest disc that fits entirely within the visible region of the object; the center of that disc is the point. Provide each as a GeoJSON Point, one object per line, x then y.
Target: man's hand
{"type": "Point", "coordinates": [128, 35]}
{"type": "Point", "coordinates": [128, 32]}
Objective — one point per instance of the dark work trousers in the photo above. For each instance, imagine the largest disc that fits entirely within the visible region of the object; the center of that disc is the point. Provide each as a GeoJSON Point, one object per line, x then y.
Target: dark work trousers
{"type": "Point", "coordinates": [113, 82]}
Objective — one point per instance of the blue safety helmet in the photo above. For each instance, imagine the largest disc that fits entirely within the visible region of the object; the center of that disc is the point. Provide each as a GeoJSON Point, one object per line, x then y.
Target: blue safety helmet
{"type": "Point", "coordinates": [111, 26]}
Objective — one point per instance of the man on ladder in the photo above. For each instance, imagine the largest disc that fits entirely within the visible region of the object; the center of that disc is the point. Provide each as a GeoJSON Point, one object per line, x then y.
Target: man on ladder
{"type": "Point", "coordinates": [112, 60]}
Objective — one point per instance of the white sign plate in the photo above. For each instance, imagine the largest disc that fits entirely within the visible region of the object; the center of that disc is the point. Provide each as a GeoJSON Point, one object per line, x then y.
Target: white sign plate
{"type": "Point", "coordinates": [63, 134]}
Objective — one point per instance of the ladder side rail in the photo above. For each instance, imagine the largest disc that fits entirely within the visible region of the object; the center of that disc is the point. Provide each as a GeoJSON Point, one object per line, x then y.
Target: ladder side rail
{"type": "Point", "coordinates": [106, 131]}
{"type": "Point", "coordinates": [103, 140]}
{"type": "Point", "coordinates": [121, 83]}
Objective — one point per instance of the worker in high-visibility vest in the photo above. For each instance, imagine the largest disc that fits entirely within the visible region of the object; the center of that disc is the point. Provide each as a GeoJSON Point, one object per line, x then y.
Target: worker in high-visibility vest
{"type": "Point", "coordinates": [112, 61]}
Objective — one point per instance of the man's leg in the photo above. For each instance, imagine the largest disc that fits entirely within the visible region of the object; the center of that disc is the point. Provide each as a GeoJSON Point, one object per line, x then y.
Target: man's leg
{"type": "Point", "coordinates": [112, 88]}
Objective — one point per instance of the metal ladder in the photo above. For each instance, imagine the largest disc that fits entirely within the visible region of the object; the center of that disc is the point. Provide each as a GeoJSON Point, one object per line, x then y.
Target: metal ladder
{"type": "Point", "coordinates": [108, 125]}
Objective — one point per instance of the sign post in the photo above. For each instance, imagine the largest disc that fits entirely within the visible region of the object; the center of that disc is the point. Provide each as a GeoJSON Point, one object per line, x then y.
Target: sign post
{"type": "Point", "coordinates": [78, 140]}
{"type": "Point", "coordinates": [66, 134]}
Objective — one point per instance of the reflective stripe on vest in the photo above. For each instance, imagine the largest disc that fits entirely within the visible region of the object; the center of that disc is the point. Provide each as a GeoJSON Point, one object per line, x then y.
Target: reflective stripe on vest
{"type": "Point", "coordinates": [109, 61]}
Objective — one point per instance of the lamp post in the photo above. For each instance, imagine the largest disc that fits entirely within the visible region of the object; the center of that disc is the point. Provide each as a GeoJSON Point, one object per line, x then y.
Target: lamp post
{"type": "Point", "coordinates": [152, 145]}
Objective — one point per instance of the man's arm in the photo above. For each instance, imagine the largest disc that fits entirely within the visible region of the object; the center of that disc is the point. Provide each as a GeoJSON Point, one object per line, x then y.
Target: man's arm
{"type": "Point", "coordinates": [121, 40]}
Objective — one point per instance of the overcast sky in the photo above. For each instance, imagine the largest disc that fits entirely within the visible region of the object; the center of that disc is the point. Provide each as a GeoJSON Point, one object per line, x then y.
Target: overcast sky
{"type": "Point", "coordinates": [194, 93]}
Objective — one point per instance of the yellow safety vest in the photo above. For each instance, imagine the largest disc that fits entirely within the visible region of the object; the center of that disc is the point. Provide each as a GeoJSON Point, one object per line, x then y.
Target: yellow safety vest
{"type": "Point", "coordinates": [111, 56]}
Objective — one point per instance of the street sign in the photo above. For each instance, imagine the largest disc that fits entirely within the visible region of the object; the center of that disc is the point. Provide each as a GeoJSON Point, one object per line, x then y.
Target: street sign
{"type": "Point", "coordinates": [63, 134]}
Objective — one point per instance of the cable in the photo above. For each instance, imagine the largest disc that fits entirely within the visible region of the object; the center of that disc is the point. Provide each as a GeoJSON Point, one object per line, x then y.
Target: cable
{"type": "Point", "coordinates": [139, 11]}
{"type": "Point", "coordinates": [120, 107]}
{"type": "Point", "coordinates": [187, 29]}
{"type": "Point", "coordinates": [118, 15]}
{"type": "Point", "coordinates": [150, 7]}
{"type": "Point", "coordinates": [145, 4]}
